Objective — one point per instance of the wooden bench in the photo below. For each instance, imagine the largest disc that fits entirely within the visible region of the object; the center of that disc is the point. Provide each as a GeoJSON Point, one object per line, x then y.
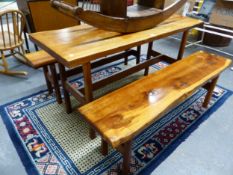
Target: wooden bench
{"type": "Point", "coordinates": [121, 115]}
{"type": "Point", "coordinates": [43, 59]}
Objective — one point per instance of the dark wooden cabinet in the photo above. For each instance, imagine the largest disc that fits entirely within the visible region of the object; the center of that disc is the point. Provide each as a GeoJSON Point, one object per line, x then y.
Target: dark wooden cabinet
{"type": "Point", "coordinates": [41, 16]}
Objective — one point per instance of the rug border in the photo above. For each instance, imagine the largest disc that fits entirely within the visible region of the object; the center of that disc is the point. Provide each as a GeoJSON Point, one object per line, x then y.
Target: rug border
{"type": "Point", "coordinates": [28, 164]}
{"type": "Point", "coordinates": [172, 147]}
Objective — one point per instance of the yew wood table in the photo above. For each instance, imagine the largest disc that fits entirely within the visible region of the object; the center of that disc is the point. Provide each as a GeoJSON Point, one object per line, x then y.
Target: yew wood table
{"type": "Point", "coordinates": [82, 46]}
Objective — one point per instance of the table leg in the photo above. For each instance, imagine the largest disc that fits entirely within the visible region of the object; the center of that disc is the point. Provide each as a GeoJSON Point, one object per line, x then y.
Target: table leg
{"type": "Point", "coordinates": [88, 90]}
{"type": "Point", "coordinates": [87, 82]}
{"type": "Point", "coordinates": [66, 93]}
{"type": "Point", "coordinates": [210, 92]}
{"type": "Point", "coordinates": [182, 45]}
{"type": "Point", "coordinates": [150, 46]}
{"type": "Point", "coordinates": [138, 54]}
{"type": "Point", "coordinates": [126, 57]}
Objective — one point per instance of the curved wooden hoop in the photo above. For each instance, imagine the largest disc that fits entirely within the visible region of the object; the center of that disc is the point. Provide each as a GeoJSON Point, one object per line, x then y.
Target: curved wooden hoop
{"type": "Point", "coordinates": [122, 25]}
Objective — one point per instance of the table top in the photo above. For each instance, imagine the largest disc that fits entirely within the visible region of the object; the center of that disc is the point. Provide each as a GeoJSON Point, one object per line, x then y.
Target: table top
{"type": "Point", "coordinates": [83, 43]}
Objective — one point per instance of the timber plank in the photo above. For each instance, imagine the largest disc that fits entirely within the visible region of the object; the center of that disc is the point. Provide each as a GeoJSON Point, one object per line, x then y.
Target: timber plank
{"type": "Point", "coordinates": [80, 44]}
{"type": "Point", "coordinates": [121, 115]}
{"type": "Point", "coordinates": [39, 59]}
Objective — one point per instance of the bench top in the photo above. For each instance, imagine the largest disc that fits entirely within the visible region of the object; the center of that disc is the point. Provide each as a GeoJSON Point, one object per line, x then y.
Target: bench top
{"type": "Point", "coordinates": [39, 59]}
{"type": "Point", "coordinates": [121, 115]}
{"type": "Point", "coordinates": [81, 44]}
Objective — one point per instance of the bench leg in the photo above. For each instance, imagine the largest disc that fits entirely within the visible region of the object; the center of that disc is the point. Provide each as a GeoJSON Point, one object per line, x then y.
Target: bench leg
{"type": "Point", "coordinates": [104, 147]}
{"type": "Point", "coordinates": [150, 46]}
{"type": "Point", "coordinates": [48, 83]}
{"type": "Point", "coordinates": [210, 92]}
{"type": "Point", "coordinates": [92, 133]}
{"type": "Point", "coordinates": [125, 150]}
{"type": "Point", "coordinates": [66, 93]}
{"type": "Point", "coordinates": [55, 83]}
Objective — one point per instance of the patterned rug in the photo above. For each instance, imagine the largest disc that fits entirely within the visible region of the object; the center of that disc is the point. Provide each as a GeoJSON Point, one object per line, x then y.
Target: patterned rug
{"type": "Point", "coordinates": [51, 142]}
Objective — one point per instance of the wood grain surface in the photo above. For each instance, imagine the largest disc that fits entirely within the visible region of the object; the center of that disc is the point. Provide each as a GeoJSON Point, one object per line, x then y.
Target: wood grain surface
{"type": "Point", "coordinates": [39, 59]}
{"type": "Point", "coordinates": [114, 18]}
{"type": "Point", "coordinates": [44, 17]}
{"type": "Point", "coordinates": [124, 113]}
{"type": "Point", "coordinates": [80, 44]}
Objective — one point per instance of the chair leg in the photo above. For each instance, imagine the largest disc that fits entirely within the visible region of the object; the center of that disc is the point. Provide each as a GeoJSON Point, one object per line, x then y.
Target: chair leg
{"type": "Point", "coordinates": [48, 83]}
{"type": "Point", "coordinates": [6, 68]}
{"type": "Point", "coordinates": [23, 51]}
{"type": "Point", "coordinates": [4, 62]}
{"type": "Point", "coordinates": [55, 83]}
{"type": "Point", "coordinates": [26, 40]}
{"type": "Point", "coordinates": [20, 55]}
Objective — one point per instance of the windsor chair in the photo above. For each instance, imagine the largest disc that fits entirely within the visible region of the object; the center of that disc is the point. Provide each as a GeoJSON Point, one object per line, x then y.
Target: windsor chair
{"type": "Point", "coordinates": [12, 23]}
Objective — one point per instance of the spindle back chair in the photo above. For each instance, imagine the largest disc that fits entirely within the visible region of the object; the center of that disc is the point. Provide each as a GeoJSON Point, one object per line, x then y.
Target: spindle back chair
{"type": "Point", "coordinates": [12, 23]}
{"type": "Point", "coordinates": [93, 5]}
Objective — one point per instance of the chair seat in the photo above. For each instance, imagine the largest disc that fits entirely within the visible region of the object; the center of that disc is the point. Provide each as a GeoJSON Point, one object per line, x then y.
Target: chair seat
{"type": "Point", "coordinates": [11, 41]}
